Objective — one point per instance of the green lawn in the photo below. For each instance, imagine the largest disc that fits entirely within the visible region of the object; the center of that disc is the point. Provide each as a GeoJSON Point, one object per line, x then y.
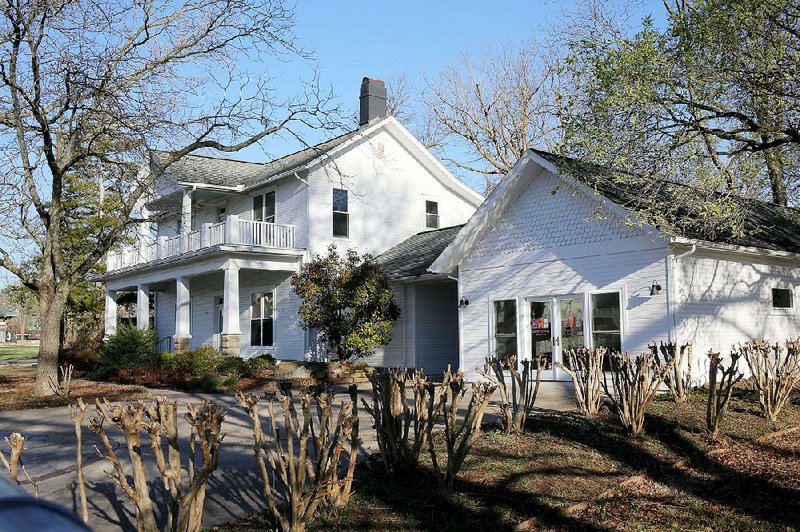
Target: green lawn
{"type": "Point", "coordinates": [9, 351]}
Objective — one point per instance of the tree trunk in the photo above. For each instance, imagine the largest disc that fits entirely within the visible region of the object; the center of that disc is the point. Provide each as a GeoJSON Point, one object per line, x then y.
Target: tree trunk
{"type": "Point", "coordinates": [53, 301]}
{"type": "Point", "coordinates": [777, 181]}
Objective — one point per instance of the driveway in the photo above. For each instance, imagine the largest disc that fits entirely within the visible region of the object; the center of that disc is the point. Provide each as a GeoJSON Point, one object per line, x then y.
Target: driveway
{"type": "Point", "coordinates": [234, 489]}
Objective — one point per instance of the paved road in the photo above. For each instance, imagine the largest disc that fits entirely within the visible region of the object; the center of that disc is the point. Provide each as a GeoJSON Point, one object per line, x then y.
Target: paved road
{"type": "Point", "coordinates": [234, 489]}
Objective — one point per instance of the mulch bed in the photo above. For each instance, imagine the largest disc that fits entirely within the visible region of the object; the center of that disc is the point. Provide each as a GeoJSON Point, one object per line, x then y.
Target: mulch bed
{"type": "Point", "coordinates": [16, 391]}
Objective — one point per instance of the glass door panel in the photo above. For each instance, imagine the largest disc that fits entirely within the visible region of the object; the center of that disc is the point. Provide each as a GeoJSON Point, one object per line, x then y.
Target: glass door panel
{"type": "Point", "coordinates": [542, 333]}
{"type": "Point", "coordinates": [571, 325]}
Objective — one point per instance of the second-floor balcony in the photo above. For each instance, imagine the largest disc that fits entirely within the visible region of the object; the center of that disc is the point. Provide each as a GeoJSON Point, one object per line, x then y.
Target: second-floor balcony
{"type": "Point", "coordinates": [231, 231]}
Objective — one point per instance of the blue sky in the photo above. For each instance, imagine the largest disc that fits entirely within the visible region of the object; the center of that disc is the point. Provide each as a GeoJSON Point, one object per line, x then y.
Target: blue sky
{"type": "Point", "coordinates": [354, 39]}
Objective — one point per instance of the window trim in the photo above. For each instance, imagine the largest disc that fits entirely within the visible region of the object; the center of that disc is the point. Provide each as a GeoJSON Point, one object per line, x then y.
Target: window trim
{"type": "Point", "coordinates": [435, 215]}
{"type": "Point", "coordinates": [261, 320]}
{"type": "Point", "coordinates": [346, 214]}
{"type": "Point", "coordinates": [262, 217]}
{"type": "Point", "coordinates": [788, 289]}
{"type": "Point", "coordinates": [590, 321]}
{"type": "Point", "coordinates": [516, 335]}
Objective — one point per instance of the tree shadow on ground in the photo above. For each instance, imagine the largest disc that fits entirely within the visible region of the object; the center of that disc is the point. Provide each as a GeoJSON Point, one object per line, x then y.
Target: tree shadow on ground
{"type": "Point", "coordinates": [717, 483]}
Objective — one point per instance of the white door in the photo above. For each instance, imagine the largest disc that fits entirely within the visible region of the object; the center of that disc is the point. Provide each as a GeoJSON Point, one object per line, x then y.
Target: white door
{"type": "Point", "coordinates": [555, 324]}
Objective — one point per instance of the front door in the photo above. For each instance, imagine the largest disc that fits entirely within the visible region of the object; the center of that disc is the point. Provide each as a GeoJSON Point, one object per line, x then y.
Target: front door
{"type": "Point", "coordinates": [556, 325]}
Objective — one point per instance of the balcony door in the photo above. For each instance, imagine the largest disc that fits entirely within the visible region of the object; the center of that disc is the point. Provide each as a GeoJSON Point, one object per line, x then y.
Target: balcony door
{"type": "Point", "coordinates": [555, 324]}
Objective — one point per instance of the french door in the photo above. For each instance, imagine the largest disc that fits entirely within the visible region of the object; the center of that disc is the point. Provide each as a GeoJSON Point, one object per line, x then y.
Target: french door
{"type": "Point", "coordinates": [555, 324]}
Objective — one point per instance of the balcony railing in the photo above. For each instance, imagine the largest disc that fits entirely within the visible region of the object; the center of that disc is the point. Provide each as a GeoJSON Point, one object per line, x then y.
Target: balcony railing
{"type": "Point", "coordinates": [231, 231]}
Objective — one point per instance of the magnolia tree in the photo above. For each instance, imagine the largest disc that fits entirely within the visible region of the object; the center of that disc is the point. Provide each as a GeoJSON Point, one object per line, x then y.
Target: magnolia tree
{"type": "Point", "coordinates": [348, 300]}
{"type": "Point", "coordinates": [89, 91]}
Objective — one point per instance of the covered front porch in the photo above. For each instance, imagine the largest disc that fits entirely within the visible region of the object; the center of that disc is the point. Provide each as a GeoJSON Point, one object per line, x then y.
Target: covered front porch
{"type": "Point", "coordinates": [228, 302]}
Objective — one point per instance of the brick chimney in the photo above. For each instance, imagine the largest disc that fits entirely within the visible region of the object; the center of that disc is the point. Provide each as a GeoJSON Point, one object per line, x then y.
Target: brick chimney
{"type": "Point", "coordinates": [373, 101]}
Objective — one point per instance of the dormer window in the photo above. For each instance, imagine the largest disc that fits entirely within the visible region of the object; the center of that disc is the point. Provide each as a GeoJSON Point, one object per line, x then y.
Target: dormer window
{"type": "Point", "coordinates": [432, 214]}
{"type": "Point", "coordinates": [341, 216]}
{"type": "Point", "coordinates": [264, 208]}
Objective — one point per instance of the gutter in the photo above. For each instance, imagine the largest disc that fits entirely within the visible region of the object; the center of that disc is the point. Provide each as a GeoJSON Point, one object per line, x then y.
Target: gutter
{"type": "Point", "coordinates": [206, 186]}
{"type": "Point", "coordinates": [730, 248]}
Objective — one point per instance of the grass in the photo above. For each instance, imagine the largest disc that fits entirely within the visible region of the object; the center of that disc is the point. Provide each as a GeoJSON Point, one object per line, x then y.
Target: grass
{"type": "Point", "coordinates": [16, 390]}
{"type": "Point", "coordinates": [10, 351]}
{"type": "Point", "coordinates": [685, 481]}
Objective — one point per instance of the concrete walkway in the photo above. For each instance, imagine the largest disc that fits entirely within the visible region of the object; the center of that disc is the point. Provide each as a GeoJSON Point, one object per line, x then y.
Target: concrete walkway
{"type": "Point", "coordinates": [234, 489]}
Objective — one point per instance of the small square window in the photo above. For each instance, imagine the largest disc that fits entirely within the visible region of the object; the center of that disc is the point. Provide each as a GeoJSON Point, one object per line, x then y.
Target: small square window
{"type": "Point", "coordinates": [782, 298]}
{"type": "Point", "coordinates": [432, 214]}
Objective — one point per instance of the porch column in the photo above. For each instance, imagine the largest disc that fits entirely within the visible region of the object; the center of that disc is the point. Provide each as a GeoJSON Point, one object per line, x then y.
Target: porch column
{"type": "Point", "coordinates": [186, 219]}
{"type": "Point", "coordinates": [143, 234]}
{"type": "Point", "coordinates": [111, 314]}
{"type": "Point", "coordinates": [143, 306]}
{"type": "Point", "coordinates": [182, 339]}
{"type": "Point", "coordinates": [231, 332]}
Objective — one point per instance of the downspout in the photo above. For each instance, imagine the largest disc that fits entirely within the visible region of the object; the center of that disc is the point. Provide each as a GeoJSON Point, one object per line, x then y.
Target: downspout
{"type": "Point", "coordinates": [672, 307]}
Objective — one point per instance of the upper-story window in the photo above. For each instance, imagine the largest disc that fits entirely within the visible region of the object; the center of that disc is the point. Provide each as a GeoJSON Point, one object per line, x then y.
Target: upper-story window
{"type": "Point", "coordinates": [341, 216]}
{"type": "Point", "coordinates": [222, 212]}
{"type": "Point", "coordinates": [432, 214]}
{"type": "Point", "coordinates": [264, 208]}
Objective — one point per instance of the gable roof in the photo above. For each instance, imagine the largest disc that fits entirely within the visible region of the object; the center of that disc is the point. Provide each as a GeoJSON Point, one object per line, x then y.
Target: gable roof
{"type": "Point", "coordinates": [414, 256]}
{"type": "Point", "coordinates": [217, 171]}
{"type": "Point", "coordinates": [235, 174]}
{"type": "Point", "coordinates": [766, 226]}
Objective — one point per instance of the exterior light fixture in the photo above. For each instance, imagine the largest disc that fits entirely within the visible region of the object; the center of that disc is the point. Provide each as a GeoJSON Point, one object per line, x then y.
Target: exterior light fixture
{"type": "Point", "coordinates": [655, 289]}
{"type": "Point", "coordinates": [463, 302]}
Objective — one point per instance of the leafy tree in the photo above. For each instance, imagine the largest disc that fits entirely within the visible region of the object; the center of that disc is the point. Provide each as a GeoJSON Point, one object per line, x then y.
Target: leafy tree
{"type": "Point", "coordinates": [709, 101]}
{"type": "Point", "coordinates": [348, 300]}
{"type": "Point", "coordinates": [98, 99]}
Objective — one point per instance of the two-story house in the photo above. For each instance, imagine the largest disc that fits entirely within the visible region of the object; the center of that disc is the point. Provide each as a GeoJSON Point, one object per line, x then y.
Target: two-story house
{"type": "Point", "coordinates": [215, 267]}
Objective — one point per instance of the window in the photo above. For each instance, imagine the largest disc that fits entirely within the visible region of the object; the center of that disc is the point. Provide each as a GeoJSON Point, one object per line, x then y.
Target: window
{"type": "Point", "coordinates": [264, 208]}
{"type": "Point", "coordinates": [505, 329]}
{"type": "Point", "coordinates": [341, 218]}
{"type": "Point", "coordinates": [221, 214]}
{"type": "Point", "coordinates": [262, 313]}
{"type": "Point", "coordinates": [607, 321]}
{"type": "Point", "coordinates": [782, 298]}
{"type": "Point", "coordinates": [432, 214]}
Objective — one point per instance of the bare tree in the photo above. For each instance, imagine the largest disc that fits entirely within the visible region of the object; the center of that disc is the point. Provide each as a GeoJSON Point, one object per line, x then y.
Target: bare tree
{"type": "Point", "coordinates": [635, 382]}
{"type": "Point", "coordinates": [518, 391]}
{"type": "Point", "coordinates": [679, 358]}
{"type": "Point", "coordinates": [585, 367]}
{"type": "Point", "coordinates": [493, 109]}
{"type": "Point", "coordinates": [399, 408]}
{"type": "Point", "coordinates": [13, 463]}
{"type": "Point", "coordinates": [89, 91]}
{"type": "Point", "coordinates": [775, 371]}
{"type": "Point", "coordinates": [722, 378]}
{"type": "Point", "coordinates": [159, 420]}
{"type": "Point", "coordinates": [305, 462]}
{"type": "Point", "coordinates": [448, 398]}
{"type": "Point", "coordinates": [77, 413]}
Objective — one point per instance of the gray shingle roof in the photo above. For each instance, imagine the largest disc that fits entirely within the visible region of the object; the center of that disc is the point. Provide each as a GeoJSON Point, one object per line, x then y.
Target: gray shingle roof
{"type": "Point", "coordinates": [764, 225]}
{"type": "Point", "coordinates": [413, 256]}
{"type": "Point", "coordinates": [7, 314]}
{"type": "Point", "coordinates": [231, 173]}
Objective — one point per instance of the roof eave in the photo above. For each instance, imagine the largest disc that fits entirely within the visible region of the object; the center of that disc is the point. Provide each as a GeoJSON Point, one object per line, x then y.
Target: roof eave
{"type": "Point", "coordinates": [731, 248]}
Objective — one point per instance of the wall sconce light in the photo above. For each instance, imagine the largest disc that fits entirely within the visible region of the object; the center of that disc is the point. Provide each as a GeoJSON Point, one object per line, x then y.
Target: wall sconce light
{"type": "Point", "coordinates": [463, 302]}
{"type": "Point", "coordinates": [655, 289]}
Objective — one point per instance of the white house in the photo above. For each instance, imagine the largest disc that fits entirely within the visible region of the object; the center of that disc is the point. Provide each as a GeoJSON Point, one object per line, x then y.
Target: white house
{"type": "Point", "coordinates": [215, 267]}
{"type": "Point", "coordinates": [548, 262]}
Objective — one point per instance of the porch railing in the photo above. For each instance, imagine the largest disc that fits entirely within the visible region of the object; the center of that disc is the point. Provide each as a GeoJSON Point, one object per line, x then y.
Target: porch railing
{"type": "Point", "coordinates": [230, 231]}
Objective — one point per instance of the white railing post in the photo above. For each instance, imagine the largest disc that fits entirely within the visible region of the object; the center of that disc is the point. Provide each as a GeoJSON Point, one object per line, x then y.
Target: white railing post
{"type": "Point", "coordinates": [232, 229]}
{"type": "Point", "coordinates": [205, 230]}
{"type": "Point", "coordinates": [161, 250]}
